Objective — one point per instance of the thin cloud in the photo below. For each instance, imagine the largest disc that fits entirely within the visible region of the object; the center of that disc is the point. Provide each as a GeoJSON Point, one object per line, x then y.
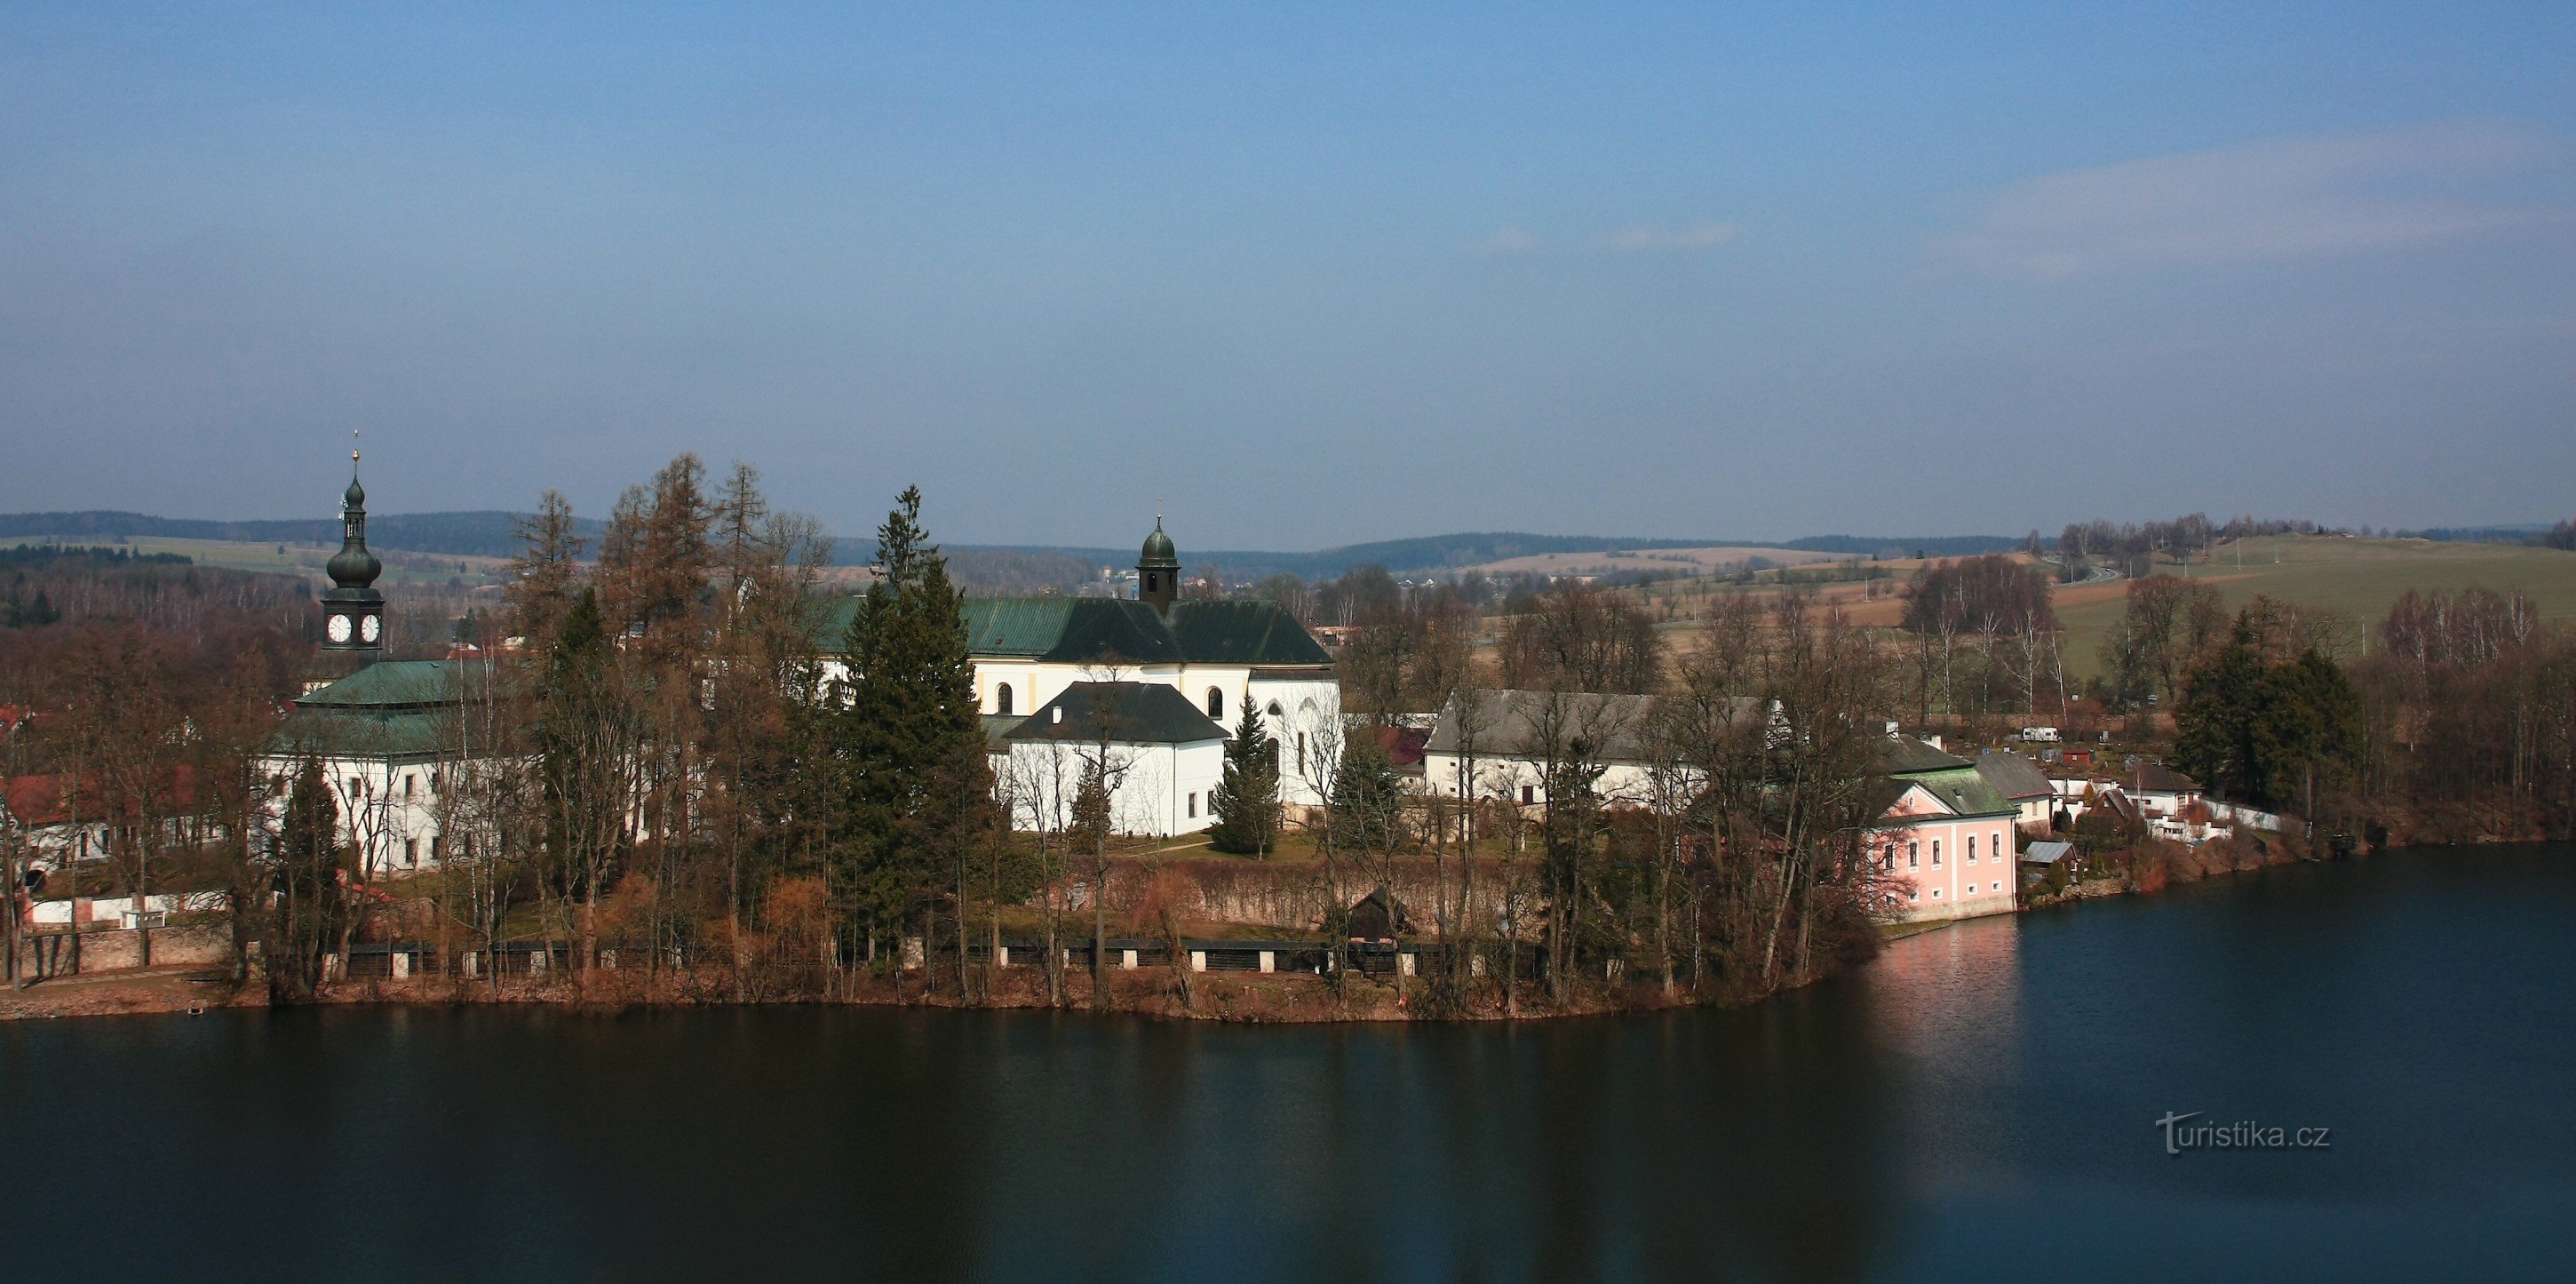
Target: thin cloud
{"type": "Point", "coordinates": [2279, 198]}
{"type": "Point", "coordinates": [1697, 236]}
{"type": "Point", "coordinates": [1508, 239]}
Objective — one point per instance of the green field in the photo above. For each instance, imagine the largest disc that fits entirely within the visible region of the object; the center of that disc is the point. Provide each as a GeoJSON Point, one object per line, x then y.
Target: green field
{"type": "Point", "coordinates": [2361, 577]}
{"type": "Point", "coordinates": [291, 559]}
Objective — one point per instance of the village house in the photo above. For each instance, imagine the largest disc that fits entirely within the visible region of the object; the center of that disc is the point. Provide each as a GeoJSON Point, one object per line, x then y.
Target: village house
{"type": "Point", "coordinates": [2021, 780]}
{"type": "Point", "coordinates": [2162, 790]}
{"type": "Point", "coordinates": [61, 825]}
{"type": "Point", "coordinates": [1499, 744]}
{"type": "Point", "coordinates": [1944, 835]}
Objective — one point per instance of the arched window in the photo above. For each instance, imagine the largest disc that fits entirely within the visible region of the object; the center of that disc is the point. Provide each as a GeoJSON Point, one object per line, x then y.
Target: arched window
{"type": "Point", "coordinates": [1216, 704]}
{"type": "Point", "coordinates": [1002, 698]}
{"type": "Point", "coordinates": [1274, 712]}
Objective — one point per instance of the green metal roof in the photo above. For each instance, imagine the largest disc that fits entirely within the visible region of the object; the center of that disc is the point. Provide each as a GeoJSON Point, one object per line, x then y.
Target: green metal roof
{"type": "Point", "coordinates": [390, 684]}
{"type": "Point", "coordinates": [1130, 713]}
{"type": "Point", "coordinates": [1070, 630]}
{"type": "Point", "coordinates": [336, 733]}
{"type": "Point", "coordinates": [1907, 756]}
{"type": "Point", "coordinates": [1964, 791]}
{"type": "Point", "coordinates": [1239, 632]}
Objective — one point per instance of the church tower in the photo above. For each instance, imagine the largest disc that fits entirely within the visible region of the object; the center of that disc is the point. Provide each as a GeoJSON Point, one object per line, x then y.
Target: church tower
{"type": "Point", "coordinates": [353, 611]}
{"type": "Point", "coordinates": [1158, 570]}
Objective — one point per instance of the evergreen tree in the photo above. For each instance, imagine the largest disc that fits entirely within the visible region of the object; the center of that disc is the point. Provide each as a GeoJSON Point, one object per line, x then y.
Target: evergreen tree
{"type": "Point", "coordinates": [2263, 735]}
{"type": "Point", "coordinates": [589, 751]}
{"type": "Point", "coordinates": [2310, 729]}
{"type": "Point", "coordinates": [1246, 800]}
{"type": "Point", "coordinates": [908, 736]}
{"type": "Point", "coordinates": [2216, 726]}
{"type": "Point", "coordinates": [1366, 810]}
{"type": "Point", "coordinates": [310, 906]}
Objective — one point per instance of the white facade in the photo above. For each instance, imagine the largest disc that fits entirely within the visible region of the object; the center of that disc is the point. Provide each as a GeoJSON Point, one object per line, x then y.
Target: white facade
{"type": "Point", "coordinates": [1162, 791]}
{"type": "Point", "coordinates": [388, 807]}
{"type": "Point", "coordinates": [1301, 709]}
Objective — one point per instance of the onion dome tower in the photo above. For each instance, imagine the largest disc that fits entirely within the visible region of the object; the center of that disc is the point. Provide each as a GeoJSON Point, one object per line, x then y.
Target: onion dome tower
{"type": "Point", "coordinates": [353, 612]}
{"type": "Point", "coordinates": [1158, 570]}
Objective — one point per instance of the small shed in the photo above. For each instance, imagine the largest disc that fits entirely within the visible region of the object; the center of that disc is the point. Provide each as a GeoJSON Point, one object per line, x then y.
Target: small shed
{"type": "Point", "coordinates": [1377, 916]}
{"type": "Point", "coordinates": [2043, 855]}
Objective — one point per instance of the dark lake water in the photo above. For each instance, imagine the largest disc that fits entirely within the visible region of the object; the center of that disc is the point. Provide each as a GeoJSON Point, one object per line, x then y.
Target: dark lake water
{"type": "Point", "coordinates": [1980, 1102]}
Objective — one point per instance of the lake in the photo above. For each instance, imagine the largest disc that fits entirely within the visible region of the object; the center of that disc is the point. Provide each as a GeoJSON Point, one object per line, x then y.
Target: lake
{"type": "Point", "coordinates": [1982, 1100]}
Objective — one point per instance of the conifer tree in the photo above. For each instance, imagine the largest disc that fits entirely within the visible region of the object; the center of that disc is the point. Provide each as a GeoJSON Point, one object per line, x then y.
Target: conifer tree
{"type": "Point", "coordinates": [1246, 799]}
{"type": "Point", "coordinates": [309, 906]}
{"type": "Point", "coordinates": [908, 737]}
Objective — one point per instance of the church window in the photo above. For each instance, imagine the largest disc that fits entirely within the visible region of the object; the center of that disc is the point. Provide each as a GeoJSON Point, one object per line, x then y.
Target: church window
{"type": "Point", "coordinates": [411, 851]}
{"type": "Point", "coordinates": [1194, 805]}
{"type": "Point", "coordinates": [1216, 704]}
{"type": "Point", "coordinates": [1002, 698]}
{"type": "Point", "coordinates": [1301, 753]}
{"type": "Point", "coordinates": [1274, 708]}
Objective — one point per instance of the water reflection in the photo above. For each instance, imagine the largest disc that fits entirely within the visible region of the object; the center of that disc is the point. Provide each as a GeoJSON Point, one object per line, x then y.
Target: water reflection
{"type": "Point", "coordinates": [1936, 1115]}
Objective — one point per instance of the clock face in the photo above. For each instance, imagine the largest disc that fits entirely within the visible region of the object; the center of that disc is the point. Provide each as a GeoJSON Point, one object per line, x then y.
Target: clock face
{"type": "Point", "coordinates": [369, 627]}
{"type": "Point", "coordinates": [339, 628]}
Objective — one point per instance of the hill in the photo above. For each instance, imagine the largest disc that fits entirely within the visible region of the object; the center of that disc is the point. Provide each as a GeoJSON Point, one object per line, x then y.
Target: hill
{"type": "Point", "coordinates": [2361, 577]}
{"type": "Point", "coordinates": [1015, 567]}
{"type": "Point", "coordinates": [480, 533]}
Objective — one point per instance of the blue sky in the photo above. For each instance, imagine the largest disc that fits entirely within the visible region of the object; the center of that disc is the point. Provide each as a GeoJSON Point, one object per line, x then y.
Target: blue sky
{"type": "Point", "coordinates": [1308, 277]}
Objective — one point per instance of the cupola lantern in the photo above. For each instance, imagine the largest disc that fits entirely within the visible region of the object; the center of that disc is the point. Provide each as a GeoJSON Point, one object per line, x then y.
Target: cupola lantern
{"type": "Point", "coordinates": [353, 612]}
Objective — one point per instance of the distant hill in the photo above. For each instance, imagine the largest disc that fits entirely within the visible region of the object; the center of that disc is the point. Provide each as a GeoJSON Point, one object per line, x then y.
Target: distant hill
{"type": "Point", "coordinates": [484, 533]}
{"type": "Point", "coordinates": [1007, 567]}
{"type": "Point", "coordinates": [1908, 546]}
{"type": "Point", "coordinates": [2520, 533]}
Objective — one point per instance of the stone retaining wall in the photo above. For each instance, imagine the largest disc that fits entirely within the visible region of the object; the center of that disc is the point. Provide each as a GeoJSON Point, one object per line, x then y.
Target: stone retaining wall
{"type": "Point", "coordinates": [50, 953]}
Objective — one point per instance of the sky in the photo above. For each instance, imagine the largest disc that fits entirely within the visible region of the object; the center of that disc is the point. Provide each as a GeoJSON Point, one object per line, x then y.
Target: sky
{"type": "Point", "coordinates": [1303, 276]}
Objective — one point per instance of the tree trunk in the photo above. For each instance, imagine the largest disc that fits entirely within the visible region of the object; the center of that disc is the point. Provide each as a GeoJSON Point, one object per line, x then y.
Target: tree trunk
{"type": "Point", "coordinates": [1100, 930]}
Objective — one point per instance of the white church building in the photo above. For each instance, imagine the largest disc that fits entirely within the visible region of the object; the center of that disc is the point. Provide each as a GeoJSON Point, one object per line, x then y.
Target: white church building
{"type": "Point", "coordinates": [1154, 682]}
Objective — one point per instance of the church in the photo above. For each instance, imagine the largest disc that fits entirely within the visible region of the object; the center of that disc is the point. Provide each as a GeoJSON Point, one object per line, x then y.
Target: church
{"type": "Point", "coordinates": [386, 734]}
{"type": "Point", "coordinates": [1154, 683]}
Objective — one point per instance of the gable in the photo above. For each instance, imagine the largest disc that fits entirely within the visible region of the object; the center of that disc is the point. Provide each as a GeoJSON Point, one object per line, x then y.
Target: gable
{"type": "Point", "coordinates": [1913, 801]}
{"type": "Point", "coordinates": [1119, 712]}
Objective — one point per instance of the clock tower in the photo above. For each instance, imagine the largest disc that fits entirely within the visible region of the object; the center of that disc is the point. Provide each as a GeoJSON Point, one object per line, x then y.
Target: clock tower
{"type": "Point", "coordinates": [353, 612]}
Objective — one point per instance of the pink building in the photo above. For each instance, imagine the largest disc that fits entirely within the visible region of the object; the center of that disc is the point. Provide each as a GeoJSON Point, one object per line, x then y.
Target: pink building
{"type": "Point", "coordinates": [1944, 837]}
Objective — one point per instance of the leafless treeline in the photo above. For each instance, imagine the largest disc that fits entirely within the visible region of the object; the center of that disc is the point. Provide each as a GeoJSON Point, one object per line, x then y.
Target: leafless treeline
{"type": "Point", "coordinates": [2470, 706]}
{"type": "Point", "coordinates": [132, 736]}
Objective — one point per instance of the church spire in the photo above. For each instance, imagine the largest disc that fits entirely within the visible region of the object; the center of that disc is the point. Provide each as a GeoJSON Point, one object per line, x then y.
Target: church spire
{"type": "Point", "coordinates": [353, 611]}
{"type": "Point", "coordinates": [1158, 569]}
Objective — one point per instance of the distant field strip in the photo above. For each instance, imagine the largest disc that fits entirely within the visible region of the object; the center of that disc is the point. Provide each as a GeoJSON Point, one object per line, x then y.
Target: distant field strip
{"type": "Point", "coordinates": [2362, 577]}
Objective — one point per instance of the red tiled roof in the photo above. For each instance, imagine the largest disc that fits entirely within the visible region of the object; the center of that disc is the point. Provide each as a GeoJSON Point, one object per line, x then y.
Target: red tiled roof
{"type": "Point", "coordinates": [1404, 745]}
{"type": "Point", "coordinates": [35, 800]}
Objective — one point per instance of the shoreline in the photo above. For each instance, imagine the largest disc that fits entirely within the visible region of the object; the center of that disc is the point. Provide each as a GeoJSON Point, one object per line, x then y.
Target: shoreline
{"type": "Point", "coordinates": [1238, 998]}
{"type": "Point", "coordinates": [1274, 999]}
